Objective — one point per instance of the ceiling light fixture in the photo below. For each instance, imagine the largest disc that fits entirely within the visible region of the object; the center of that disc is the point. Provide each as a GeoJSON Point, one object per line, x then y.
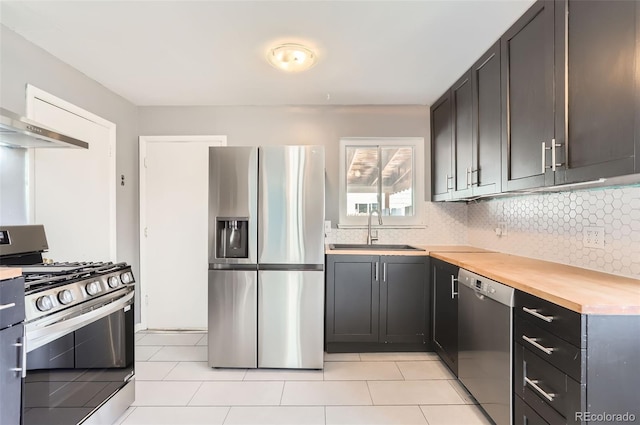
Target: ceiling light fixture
{"type": "Point", "coordinates": [291, 57]}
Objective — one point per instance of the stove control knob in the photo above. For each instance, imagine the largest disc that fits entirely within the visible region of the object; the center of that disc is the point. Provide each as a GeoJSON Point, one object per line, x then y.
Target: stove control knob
{"type": "Point", "coordinates": [492, 290]}
{"type": "Point", "coordinates": [44, 303]}
{"type": "Point", "coordinates": [113, 281]}
{"type": "Point", "coordinates": [65, 296]}
{"type": "Point", "coordinates": [126, 278]}
{"type": "Point", "coordinates": [92, 288]}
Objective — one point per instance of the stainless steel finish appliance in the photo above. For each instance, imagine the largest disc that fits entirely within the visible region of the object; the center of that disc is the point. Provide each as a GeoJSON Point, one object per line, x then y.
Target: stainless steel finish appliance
{"type": "Point", "coordinates": [18, 131]}
{"type": "Point", "coordinates": [485, 310]}
{"type": "Point", "coordinates": [79, 328]}
{"type": "Point", "coordinates": [266, 257]}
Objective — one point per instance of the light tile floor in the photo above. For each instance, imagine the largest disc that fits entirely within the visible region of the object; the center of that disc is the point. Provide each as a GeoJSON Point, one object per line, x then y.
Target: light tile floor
{"type": "Point", "coordinates": [174, 385]}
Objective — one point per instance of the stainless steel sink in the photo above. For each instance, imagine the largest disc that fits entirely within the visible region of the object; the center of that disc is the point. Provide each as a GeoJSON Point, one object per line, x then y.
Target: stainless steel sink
{"type": "Point", "coordinates": [376, 247]}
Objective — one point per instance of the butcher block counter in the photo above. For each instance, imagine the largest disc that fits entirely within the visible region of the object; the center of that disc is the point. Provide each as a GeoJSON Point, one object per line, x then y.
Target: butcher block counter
{"type": "Point", "coordinates": [10, 272]}
{"type": "Point", "coordinates": [581, 290]}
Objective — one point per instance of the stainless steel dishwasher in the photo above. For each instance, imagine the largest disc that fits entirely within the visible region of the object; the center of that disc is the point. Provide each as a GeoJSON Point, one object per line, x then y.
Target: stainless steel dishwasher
{"type": "Point", "coordinates": [485, 310]}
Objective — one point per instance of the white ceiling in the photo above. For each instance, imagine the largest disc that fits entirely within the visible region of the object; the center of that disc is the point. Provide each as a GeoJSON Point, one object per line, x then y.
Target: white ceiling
{"type": "Point", "coordinates": [213, 52]}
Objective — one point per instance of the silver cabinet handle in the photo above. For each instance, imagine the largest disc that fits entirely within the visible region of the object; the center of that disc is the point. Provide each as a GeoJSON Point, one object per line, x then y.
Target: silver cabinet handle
{"type": "Point", "coordinates": [384, 272]}
{"type": "Point", "coordinates": [533, 341]}
{"type": "Point", "coordinates": [468, 176]}
{"type": "Point", "coordinates": [535, 313]}
{"type": "Point", "coordinates": [453, 289]}
{"type": "Point", "coordinates": [449, 178]}
{"type": "Point", "coordinates": [474, 183]}
{"type": "Point", "coordinates": [544, 162]}
{"type": "Point", "coordinates": [554, 164]}
{"type": "Point", "coordinates": [6, 306]}
{"type": "Point", "coordinates": [375, 271]}
{"type": "Point", "coordinates": [534, 384]}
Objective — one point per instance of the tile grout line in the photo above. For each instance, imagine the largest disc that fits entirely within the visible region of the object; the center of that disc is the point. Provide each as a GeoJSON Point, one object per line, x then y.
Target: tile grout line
{"type": "Point", "coordinates": [194, 393]}
{"type": "Point", "coordinates": [369, 391]}
{"type": "Point", "coordinates": [227, 415]}
{"type": "Point", "coordinates": [170, 370]}
{"type": "Point", "coordinates": [282, 392]}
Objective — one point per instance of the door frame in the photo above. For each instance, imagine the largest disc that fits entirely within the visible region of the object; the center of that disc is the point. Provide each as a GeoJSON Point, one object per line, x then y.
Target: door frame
{"type": "Point", "coordinates": [145, 142]}
{"type": "Point", "coordinates": [33, 93]}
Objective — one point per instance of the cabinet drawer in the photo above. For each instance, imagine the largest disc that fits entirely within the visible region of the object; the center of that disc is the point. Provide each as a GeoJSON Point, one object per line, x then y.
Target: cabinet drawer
{"type": "Point", "coordinates": [11, 301]}
{"type": "Point", "coordinates": [556, 351]}
{"type": "Point", "coordinates": [523, 414]}
{"type": "Point", "coordinates": [548, 390]}
{"type": "Point", "coordinates": [557, 320]}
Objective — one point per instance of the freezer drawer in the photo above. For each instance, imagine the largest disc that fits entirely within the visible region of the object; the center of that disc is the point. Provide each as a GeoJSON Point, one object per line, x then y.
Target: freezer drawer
{"type": "Point", "coordinates": [291, 319]}
{"type": "Point", "coordinates": [232, 318]}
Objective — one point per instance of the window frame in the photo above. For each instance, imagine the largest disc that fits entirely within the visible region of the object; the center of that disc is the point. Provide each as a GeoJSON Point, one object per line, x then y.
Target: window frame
{"type": "Point", "coordinates": [416, 220]}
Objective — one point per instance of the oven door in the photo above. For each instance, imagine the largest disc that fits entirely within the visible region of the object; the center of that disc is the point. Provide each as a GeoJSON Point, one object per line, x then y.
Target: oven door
{"type": "Point", "coordinates": [87, 358]}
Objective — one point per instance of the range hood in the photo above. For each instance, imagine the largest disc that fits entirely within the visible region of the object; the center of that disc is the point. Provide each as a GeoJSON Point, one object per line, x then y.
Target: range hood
{"type": "Point", "coordinates": [17, 131]}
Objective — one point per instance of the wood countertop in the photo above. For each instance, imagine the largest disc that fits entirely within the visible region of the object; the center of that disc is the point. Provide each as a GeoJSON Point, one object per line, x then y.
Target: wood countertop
{"type": "Point", "coordinates": [10, 272]}
{"type": "Point", "coordinates": [581, 290]}
{"type": "Point", "coordinates": [428, 250]}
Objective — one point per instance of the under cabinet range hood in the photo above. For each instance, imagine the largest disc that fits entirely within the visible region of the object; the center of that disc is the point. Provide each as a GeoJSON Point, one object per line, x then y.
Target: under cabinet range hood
{"type": "Point", "coordinates": [20, 132]}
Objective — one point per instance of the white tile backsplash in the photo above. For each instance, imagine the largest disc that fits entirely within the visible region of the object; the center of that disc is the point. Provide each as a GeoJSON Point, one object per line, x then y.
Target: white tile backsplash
{"type": "Point", "coordinates": [550, 226]}
{"type": "Point", "coordinates": [547, 226]}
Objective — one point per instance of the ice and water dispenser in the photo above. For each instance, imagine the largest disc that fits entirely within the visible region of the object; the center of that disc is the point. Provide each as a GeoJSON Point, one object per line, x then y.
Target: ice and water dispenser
{"type": "Point", "coordinates": [232, 237]}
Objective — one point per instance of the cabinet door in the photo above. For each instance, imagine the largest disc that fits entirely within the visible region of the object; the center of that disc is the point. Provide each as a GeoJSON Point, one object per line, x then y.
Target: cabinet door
{"type": "Point", "coordinates": [445, 312]}
{"type": "Point", "coordinates": [602, 87]}
{"type": "Point", "coordinates": [353, 298]}
{"type": "Point", "coordinates": [462, 98]}
{"type": "Point", "coordinates": [441, 152]}
{"type": "Point", "coordinates": [11, 346]}
{"type": "Point", "coordinates": [487, 127]}
{"type": "Point", "coordinates": [404, 299]}
{"type": "Point", "coordinates": [527, 55]}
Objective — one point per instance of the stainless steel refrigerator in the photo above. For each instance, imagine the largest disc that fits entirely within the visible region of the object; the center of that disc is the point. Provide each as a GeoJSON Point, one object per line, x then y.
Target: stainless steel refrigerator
{"type": "Point", "coordinates": [266, 257]}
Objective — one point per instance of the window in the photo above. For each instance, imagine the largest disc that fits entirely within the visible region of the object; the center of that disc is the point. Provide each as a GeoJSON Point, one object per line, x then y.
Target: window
{"type": "Point", "coordinates": [381, 174]}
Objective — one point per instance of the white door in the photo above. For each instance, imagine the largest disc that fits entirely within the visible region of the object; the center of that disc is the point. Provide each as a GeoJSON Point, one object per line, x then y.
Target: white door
{"type": "Point", "coordinates": [72, 191]}
{"type": "Point", "coordinates": [173, 218]}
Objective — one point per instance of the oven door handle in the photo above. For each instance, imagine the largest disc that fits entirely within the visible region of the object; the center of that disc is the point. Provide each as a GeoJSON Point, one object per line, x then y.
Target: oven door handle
{"type": "Point", "coordinates": [50, 332]}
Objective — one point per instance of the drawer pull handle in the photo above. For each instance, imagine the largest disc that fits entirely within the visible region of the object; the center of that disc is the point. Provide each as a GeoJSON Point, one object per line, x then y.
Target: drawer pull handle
{"type": "Point", "coordinates": [533, 383]}
{"type": "Point", "coordinates": [453, 287]}
{"type": "Point", "coordinates": [534, 342]}
{"type": "Point", "coordinates": [535, 313]}
{"type": "Point", "coordinates": [5, 306]}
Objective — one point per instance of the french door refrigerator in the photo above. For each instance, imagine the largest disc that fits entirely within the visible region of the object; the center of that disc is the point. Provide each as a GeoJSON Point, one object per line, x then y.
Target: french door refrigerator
{"type": "Point", "coordinates": [266, 257]}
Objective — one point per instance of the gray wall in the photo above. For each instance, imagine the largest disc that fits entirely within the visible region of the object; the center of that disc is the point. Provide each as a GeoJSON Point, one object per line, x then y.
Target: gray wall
{"type": "Point", "coordinates": [290, 125]}
{"type": "Point", "coordinates": [22, 63]}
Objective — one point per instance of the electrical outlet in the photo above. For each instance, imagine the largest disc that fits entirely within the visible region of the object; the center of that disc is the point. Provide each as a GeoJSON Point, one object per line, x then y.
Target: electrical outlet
{"type": "Point", "coordinates": [327, 228]}
{"type": "Point", "coordinates": [593, 237]}
{"type": "Point", "coordinates": [501, 229]}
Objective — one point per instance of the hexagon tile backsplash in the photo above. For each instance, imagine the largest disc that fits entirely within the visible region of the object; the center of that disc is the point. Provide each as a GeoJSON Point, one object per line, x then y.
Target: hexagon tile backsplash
{"type": "Point", "coordinates": [551, 227]}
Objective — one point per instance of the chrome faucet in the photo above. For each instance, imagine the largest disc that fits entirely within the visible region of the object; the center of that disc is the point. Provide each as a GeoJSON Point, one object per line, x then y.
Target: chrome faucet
{"type": "Point", "coordinates": [371, 239]}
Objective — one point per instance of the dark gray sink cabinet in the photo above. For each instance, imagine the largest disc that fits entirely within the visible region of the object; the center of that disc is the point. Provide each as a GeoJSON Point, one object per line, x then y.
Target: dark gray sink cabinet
{"type": "Point", "coordinates": [445, 312]}
{"type": "Point", "coordinates": [377, 303]}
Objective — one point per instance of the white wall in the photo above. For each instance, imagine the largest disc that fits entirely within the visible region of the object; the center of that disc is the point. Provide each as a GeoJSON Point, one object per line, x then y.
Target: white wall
{"type": "Point", "coordinates": [290, 125]}
{"type": "Point", "coordinates": [22, 63]}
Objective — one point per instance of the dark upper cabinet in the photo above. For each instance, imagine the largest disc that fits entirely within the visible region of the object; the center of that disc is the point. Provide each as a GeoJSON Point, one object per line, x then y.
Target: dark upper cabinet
{"type": "Point", "coordinates": [404, 299]}
{"type": "Point", "coordinates": [486, 177]}
{"type": "Point", "coordinates": [603, 137]}
{"type": "Point", "coordinates": [441, 149]}
{"type": "Point", "coordinates": [528, 93]}
{"type": "Point", "coordinates": [462, 113]}
{"type": "Point", "coordinates": [352, 298]}
{"type": "Point", "coordinates": [377, 299]}
{"type": "Point", "coordinates": [445, 312]}
{"type": "Point", "coordinates": [466, 133]}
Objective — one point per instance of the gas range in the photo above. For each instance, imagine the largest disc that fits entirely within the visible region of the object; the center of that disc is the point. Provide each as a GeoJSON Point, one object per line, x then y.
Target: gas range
{"type": "Point", "coordinates": [53, 287]}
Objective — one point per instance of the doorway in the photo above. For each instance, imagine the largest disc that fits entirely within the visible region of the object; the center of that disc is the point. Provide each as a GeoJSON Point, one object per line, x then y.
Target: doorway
{"type": "Point", "coordinates": [174, 174]}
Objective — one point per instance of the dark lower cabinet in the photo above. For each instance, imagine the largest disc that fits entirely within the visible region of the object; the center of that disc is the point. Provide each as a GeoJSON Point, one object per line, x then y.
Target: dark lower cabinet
{"type": "Point", "coordinates": [569, 366]}
{"type": "Point", "coordinates": [445, 312]}
{"type": "Point", "coordinates": [377, 303]}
